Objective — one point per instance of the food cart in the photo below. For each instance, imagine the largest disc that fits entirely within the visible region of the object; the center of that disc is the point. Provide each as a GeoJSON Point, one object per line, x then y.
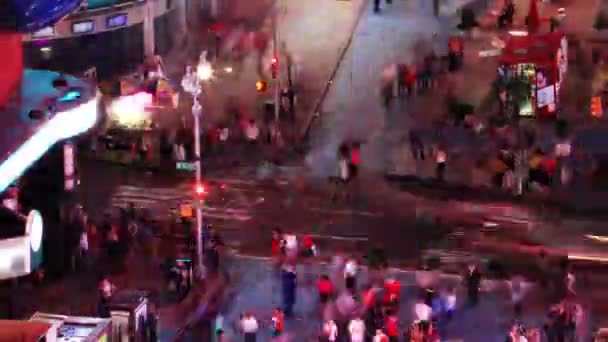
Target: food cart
{"type": "Point", "coordinates": [129, 311]}
{"type": "Point", "coordinates": [75, 329]}
{"type": "Point", "coordinates": [540, 61]}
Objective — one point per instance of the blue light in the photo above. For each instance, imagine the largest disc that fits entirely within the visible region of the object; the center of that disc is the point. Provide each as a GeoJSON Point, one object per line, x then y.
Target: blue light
{"type": "Point", "coordinates": [64, 125]}
{"type": "Point", "coordinates": [70, 96]}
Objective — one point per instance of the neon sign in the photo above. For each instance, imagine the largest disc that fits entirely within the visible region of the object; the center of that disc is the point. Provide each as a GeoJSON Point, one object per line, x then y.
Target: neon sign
{"type": "Point", "coordinates": [63, 125]}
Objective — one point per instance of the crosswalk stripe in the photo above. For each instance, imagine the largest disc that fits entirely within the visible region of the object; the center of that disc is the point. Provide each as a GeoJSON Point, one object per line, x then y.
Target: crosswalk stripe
{"type": "Point", "coordinates": [337, 238]}
{"type": "Point", "coordinates": [161, 201]}
{"type": "Point", "coordinates": [166, 191]}
{"type": "Point", "coordinates": [346, 212]}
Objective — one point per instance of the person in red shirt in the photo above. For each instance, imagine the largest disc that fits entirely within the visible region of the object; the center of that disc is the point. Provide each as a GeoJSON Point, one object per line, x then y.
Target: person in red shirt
{"type": "Point", "coordinates": [309, 247]}
{"type": "Point", "coordinates": [277, 243]}
{"type": "Point", "coordinates": [391, 326]}
{"type": "Point", "coordinates": [325, 288]}
{"type": "Point", "coordinates": [278, 321]}
{"type": "Point", "coordinates": [369, 298]}
{"type": "Point", "coordinates": [392, 290]}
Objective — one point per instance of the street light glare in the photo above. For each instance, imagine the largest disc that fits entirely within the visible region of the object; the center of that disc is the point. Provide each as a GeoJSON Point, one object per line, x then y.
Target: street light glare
{"type": "Point", "coordinates": [204, 72]}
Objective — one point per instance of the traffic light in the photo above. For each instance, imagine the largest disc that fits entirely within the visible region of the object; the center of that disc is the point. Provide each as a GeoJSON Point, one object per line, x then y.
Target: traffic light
{"type": "Point", "coordinates": [200, 192]}
{"type": "Point", "coordinates": [274, 67]}
{"type": "Point", "coordinates": [596, 106]}
{"type": "Point", "coordinates": [261, 86]}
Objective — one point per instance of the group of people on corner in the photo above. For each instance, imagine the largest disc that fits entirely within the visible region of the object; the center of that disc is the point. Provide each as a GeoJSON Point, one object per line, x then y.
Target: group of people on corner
{"type": "Point", "coordinates": [425, 74]}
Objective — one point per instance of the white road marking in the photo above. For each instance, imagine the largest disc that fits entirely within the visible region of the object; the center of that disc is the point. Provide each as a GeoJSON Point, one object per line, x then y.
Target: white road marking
{"type": "Point", "coordinates": [347, 212]}
{"type": "Point", "coordinates": [337, 237]}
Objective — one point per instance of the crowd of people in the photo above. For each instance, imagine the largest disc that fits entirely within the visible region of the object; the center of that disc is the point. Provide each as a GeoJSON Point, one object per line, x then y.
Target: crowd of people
{"type": "Point", "coordinates": [348, 310]}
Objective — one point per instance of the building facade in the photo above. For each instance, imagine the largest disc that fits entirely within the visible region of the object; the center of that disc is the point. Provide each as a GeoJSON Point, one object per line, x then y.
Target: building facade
{"type": "Point", "coordinates": [111, 37]}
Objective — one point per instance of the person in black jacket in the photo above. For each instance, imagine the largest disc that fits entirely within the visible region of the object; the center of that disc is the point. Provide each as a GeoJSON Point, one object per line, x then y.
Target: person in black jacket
{"type": "Point", "coordinates": [473, 281]}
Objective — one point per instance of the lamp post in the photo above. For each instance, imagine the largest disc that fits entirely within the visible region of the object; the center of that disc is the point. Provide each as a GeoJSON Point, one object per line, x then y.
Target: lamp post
{"type": "Point", "coordinates": [192, 84]}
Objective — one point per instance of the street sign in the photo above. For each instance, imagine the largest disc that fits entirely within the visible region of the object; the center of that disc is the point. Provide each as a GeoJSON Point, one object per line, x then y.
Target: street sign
{"type": "Point", "coordinates": [185, 166]}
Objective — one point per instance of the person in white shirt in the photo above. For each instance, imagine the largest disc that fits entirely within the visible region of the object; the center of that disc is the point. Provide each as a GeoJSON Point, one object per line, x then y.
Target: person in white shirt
{"type": "Point", "coordinates": [350, 275]}
{"type": "Point", "coordinates": [570, 281]}
{"type": "Point", "coordinates": [356, 329]}
{"type": "Point", "coordinates": [517, 295]}
{"type": "Point", "coordinates": [249, 327]}
{"type": "Point", "coordinates": [449, 299]}
{"type": "Point", "coordinates": [224, 134]}
{"type": "Point", "coordinates": [330, 330]}
{"type": "Point", "coordinates": [422, 311]}
{"type": "Point", "coordinates": [380, 336]}
{"type": "Point", "coordinates": [343, 170]}
{"type": "Point", "coordinates": [252, 132]}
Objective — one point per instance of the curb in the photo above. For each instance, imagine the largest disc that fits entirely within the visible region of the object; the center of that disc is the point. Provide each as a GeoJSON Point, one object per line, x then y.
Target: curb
{"type": "Point", "coordinates": [319, 103]}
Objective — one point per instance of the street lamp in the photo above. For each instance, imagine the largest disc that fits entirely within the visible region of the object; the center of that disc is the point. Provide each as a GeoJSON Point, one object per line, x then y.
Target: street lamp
{"type": "Point", "coordinates": [192, 84]}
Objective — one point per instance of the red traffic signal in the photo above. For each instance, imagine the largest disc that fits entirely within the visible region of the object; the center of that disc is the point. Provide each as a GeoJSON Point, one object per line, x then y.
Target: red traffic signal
{"type": "Point", "coordinates": [200, 190]}
{"type": "Point", "coordinates": [274, 67]}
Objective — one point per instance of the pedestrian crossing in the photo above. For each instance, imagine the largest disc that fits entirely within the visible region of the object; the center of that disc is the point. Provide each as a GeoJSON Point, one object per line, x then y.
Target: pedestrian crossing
{"type": "Point", "coordinates": [232, 202]}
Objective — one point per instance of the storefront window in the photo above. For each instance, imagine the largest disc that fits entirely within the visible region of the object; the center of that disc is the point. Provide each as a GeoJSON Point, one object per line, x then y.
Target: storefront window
{"type": "Point", "coordinates": [111, 53]}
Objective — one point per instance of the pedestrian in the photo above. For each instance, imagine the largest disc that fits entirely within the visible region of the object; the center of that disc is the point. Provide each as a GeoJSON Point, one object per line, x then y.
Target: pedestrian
{"type": "Point", "coordinates": [106, 290]}
{"type": "Point", "coordinates": [252, 132]}
{"type": "Point", "coordinates": [422, 311]}
{"type": "Point", "coordinates": [387, 95]}
{"type": "Point", "coordinates": [277, 246]}
{"type": "Point", "coordinates": [402, 73]}
{"type": "Point", "coordinates": [455, 53]}
{"type": "Point", "coordinates": [473, 281]}
{"type": "Point", "coordinates": [355, 159]}
{"type": "Point", "coordinates": [570, 281]}
{"type": "Point", "coordinates": [310, 249]}
{"type": "Point", "coordinates": [223, 135]}
{"type": "Point", "coordinates": [330, 331]}
{"type": "Point", "coordinates": [325, 289]}
{"type": "Point", "coordinates": [440, 163]}
{"type": "Point", "coordinates": [517, 295]}
{"type": "Point", "coordinates": [376, 6]}
{"type": "Point", "coordinates": [341, 182]}
{"type": "Point", "coordinates": [350, 275]}
{"type": "Point", "coordinates": [93, 239]}
{"type": "Point", "coordinates": [380, 336]}
{"type": "Point", "coordinates": [249, 327]}
{"type": "Point", "coordinates": [278, 323]}
{"type": "Point", "coordinates": [289, 289]}
{"type": "Point", "coordinates": [84, 255]}
{"type": "Point", "coordinates": [356, 330]}
{"type": "Point", "coordinates": [391, 325]}
{"type": "Point", "coordinates": [449, 300]}
{"type": "Point", "coordinates": [416, 146]}
{"type": "Point", "coordinates": [392, 293]}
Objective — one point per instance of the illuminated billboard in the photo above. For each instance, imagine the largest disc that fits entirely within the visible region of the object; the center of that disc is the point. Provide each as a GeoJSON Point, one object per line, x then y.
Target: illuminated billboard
{"type": "Point", "coordinates": [26, 140]}
{"type": "Point", "coordinates": [23, 254]}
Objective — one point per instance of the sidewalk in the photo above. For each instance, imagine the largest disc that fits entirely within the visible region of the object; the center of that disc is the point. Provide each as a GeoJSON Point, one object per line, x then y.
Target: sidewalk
{"type": "Point", "coordinates": [255, 291]}
{"type": "Point", "coordinates": [352, 108]}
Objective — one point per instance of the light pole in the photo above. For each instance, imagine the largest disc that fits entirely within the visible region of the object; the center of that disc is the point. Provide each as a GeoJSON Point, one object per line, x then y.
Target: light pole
{"type": "Point", "coordinates": [192, 84]}
{"type": "Point", "coordinates": [275, 51]}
